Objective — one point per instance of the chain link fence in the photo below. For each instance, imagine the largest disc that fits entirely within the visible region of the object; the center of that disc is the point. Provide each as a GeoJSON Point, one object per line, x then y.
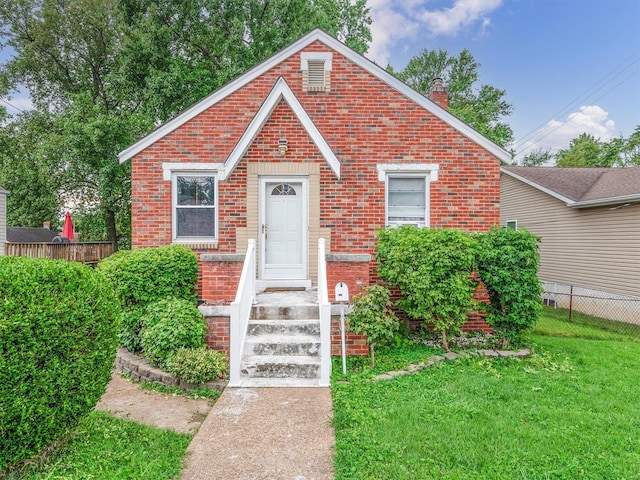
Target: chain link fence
{"type": "Point", "coordinates": [583, 311]}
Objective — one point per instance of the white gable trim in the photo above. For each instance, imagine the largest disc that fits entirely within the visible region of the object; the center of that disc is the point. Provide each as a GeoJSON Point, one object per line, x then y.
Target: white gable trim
{"type": "Point", "coordinates": [329, 41]}
{"type": "Point", "coordinates": [280, 91]}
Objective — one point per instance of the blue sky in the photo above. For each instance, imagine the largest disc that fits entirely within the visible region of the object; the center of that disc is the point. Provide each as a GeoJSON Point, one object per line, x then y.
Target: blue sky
{"type": "Point", "coordinates": [568, 66]}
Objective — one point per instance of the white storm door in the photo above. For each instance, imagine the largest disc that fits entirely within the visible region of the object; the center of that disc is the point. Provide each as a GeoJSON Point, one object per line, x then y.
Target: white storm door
{"type": "Point", "coordinates": [284, 229]}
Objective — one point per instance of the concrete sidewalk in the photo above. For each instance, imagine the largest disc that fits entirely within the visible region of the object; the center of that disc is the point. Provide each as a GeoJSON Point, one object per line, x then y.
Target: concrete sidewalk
{"type": "Point", "coordinates": [265, 433]}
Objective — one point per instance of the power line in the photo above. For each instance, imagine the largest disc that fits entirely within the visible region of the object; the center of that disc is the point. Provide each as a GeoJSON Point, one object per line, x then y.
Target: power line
{"type": "Point", "coordinates": [562, 124]}
{"type": "Point", "coordinates": [603, 82]}
{"type": "Point", "coordinates": [11, 105]}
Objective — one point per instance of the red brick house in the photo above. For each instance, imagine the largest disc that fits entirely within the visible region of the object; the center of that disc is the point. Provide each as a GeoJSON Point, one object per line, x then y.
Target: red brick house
{"type": "Point", "coordinates": [316, 142]}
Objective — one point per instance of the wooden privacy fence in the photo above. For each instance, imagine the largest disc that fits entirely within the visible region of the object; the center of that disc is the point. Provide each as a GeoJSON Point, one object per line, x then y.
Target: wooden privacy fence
{"type": "Point", "coordinates": [84, 252]}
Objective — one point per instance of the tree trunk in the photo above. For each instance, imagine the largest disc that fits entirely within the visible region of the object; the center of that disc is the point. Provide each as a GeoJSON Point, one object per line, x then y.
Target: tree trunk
{"type": "Point", "coordinates": [445, 343]}
{"type": "Point", "coordinates": [373, 356]}
{"type": "Point", "coordinates": [112, 234]}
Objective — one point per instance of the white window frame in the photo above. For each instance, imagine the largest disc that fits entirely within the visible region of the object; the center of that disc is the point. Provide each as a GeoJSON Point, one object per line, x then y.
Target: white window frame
{"type": "Point", "coordinates": [511, 224]}
{"type": "Point", "coordinates": [171, 171]}
{"type": "Point", "coordinates": [391, 170]}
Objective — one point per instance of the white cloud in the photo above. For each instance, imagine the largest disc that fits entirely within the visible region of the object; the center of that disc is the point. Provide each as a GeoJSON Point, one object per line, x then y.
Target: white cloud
{"type": "Point", "coordinates": [556, 134]}
{"type": "Point", "coordinates": [398, 20]}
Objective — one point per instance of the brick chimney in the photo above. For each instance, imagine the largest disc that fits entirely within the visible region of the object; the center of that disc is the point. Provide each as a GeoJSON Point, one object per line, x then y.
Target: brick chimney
{"type": "Point", "coordinates": [438, 93]}
{"type": "Point", "coordinates": [46, 225]}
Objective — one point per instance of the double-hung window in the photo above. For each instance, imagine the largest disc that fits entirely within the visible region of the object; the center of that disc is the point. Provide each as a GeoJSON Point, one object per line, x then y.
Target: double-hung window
{"type": "Point", "coordinates": [407, 192]}
{"type": "Point", "coordinates": [195, 206]}
{"type": "Point", "coordinates": [407, 200]}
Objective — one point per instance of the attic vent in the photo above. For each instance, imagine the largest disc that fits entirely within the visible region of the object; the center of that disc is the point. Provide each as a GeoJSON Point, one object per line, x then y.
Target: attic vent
{"type": "Point", "coordinates": [316, 75]}
{"type": "Point", "coordinates": [316, 71]}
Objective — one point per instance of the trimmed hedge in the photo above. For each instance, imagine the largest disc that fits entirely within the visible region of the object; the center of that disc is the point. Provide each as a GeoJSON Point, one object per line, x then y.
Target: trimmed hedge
{"type": "Point", "coordinates": [58, 339]}
{"type": "Point", "coordinates": [146, 275]}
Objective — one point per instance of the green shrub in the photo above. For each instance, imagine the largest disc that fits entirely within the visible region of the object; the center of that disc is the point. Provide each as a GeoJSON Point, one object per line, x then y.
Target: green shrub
{"type": "Point", "coordinates": [170, 324]}
{"type": "Point", "coordinates": [58, 338]}
{"type": "Point", "coordinates": [143, 276]}
{"type": "Point", "coordinates": [508, 266]}
{"type": "Point", "coordinates": [198, 365]}
{"type": "Point", "coordinates": [432, 269]}
{"type": "Point", "coordinates": [373, 316]}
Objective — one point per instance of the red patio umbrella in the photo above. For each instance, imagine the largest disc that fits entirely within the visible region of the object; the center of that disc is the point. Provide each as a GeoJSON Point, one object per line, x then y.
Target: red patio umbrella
{"type": "Point", "coordinates": [67, 229]}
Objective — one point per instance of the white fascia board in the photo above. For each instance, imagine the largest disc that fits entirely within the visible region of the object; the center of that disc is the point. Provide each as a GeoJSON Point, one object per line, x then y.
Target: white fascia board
{"type": "Point", "coordinates": [282, 55]}
{"type": "Point", "coordinates": [601, 202]}
{"type": "Point", "coordinates": [3, 191]}
{"type": "Point", "coordinates": [280, 91]}
{"type": "Point", "coordinates": [562, 198]}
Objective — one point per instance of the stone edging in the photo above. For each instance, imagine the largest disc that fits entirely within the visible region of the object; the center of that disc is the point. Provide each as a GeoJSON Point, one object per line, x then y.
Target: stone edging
{"type": "Point", "coordinates": [139, 369]}
{"type": "Point", "coordinates": [413, 368]}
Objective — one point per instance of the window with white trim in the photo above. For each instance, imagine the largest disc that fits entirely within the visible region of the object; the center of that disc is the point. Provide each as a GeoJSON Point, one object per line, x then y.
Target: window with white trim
{"type": "Point", "coordinates": [407, 192]}
{"type": "Point", "coordinates": [194, 206]}
{"type": "Point", "coordinates": [512, 224]}
{"type": "Point", "coordinates": [407, 200]}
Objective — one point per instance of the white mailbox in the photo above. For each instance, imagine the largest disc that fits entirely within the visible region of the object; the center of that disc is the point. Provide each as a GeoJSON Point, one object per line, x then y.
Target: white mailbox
{"type": "Point", "coordinates": [342, 292]}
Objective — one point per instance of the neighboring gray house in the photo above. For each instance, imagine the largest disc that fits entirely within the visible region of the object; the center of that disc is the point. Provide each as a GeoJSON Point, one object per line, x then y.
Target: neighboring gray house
{"type": "Point", "coordinates": [3, 219]}
{"type": "Point", "coordinates": [30, 235]}
{"type": "Point", "coordinates": [589, 222]}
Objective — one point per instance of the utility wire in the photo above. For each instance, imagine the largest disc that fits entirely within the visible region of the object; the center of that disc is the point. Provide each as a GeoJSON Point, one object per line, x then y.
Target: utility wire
{"type": "Point", "coordinates": [11, 105]}
{"type": "Point", "coordinates": [594, 89]}
{"type": "Point", "coordinates": [562, 124]}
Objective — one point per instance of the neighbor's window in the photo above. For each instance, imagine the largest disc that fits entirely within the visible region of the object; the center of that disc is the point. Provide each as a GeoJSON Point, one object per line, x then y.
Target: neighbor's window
{"type": "Point", "coordinates": [195, 208]}
{"type": "Point", "coordinates": [513, 224]}
{"type": "Point", "coordinates": [407, 200]}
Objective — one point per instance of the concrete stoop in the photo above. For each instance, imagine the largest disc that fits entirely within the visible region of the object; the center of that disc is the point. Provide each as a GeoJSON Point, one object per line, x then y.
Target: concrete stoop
{"type": "Point", "coordinates": [282, 346]}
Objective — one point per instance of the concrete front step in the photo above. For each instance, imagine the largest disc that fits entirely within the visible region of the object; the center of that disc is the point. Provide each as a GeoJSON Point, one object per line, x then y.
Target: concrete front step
{"type": "Point", "coordinates": [284, 312]}
{"type": "Point", "coordinates": [282, 345]}
{"type": "Point", "coordinates": [284, 327]}
{"type": "Point", "coordinates": [281, 366]}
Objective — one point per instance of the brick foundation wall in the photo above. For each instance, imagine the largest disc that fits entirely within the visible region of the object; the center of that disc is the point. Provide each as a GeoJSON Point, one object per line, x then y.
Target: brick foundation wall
{"type": "Point", "coordinates": [217, 337]}
{"type": "Point", "coordinates": [219, 276]}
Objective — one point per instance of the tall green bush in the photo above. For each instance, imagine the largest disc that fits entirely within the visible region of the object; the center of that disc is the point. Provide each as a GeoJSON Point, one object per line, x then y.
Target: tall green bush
{"type": "Point", "coordinates": [508, 266]}
{"type": "Point", "coordinates": [373, 316]}
{"type": "Point", "coordinates": [58, 339]}
{"type": "Point", "coordinates": [143, 276]}
{"type": "Point", "coordinates": [432, 269]}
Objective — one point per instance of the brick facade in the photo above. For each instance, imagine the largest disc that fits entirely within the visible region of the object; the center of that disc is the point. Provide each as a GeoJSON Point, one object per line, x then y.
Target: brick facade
{"type": "Point", "coordinates": [365, 122]}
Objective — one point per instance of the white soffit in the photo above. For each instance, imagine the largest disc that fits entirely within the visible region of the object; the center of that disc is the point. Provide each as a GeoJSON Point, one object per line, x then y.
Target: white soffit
{"type": "Point", "coordinates": [329, 41]}
{"type": "Point", "coordinates": [280, 91]}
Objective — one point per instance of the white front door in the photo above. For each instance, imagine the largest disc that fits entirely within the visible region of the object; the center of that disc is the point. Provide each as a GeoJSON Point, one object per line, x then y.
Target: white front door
{"type": "Point", "coordinates": [284, 229]}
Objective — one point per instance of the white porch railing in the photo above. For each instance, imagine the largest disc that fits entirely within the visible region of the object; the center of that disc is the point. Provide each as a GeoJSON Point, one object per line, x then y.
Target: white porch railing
{"type": "Point", "coordinates": [240, 312]}
{"type": "Point", "coordinates": [325, 317]}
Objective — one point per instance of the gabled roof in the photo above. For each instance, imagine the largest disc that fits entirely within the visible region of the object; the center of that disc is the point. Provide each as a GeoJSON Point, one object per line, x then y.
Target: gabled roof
{"type": "Point", "coordinates": [29, 235]}
{"type": "Point", "coordinates": [329, 41]}
{"type": "Point", "coordinates": [582, 187]}
{"type": "Point", "coordinates": [280, 91]}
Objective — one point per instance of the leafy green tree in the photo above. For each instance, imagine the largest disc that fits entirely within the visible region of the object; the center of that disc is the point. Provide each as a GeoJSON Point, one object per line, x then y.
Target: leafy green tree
{"type": "Point", "coordinates": [30, 170]}
{"type": "Point", "coordinates": [483, 107]}
{"type": "Point", "coordinates": [583, 151]}
{"type": "Point", "coordinates": [537, 158]}
{"type": "Point", "coordinates": [432, 268]}
{"type": "Point", "coordinates": [630, 149]}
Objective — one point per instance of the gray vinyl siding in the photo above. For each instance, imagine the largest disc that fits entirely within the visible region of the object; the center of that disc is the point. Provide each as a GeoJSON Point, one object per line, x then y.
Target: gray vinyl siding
{"type": "Point", "coordinates": [3, 220]}
{"type": "Point", "coordinates": [595, 248]}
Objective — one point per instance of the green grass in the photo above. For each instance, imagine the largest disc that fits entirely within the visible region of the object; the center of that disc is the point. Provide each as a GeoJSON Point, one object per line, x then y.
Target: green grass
{"type": "Point", "coordinates": [106, 448]}
{"type": "Point", "coordinates": [173, 390]}
{"type": "Point", "coordinates": [555, 322]}
{"type": "Point", "coordinates": [570, 411]}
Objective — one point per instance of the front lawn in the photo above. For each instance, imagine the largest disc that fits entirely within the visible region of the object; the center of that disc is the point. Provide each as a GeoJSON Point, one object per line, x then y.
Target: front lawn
{"type": "Point", "coordinates": [106, 448]}
{"type": "Point", "coordinates": [569, 411]}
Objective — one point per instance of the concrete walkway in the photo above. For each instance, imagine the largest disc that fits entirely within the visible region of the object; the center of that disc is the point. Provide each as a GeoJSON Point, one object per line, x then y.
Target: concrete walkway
{"type": "Point", "coordinates": [265, 433]}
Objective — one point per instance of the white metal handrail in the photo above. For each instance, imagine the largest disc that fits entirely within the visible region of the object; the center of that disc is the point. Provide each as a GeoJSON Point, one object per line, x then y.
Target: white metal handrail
{"type": "Point", "coordinates": [240, 313]}
{"type": "Point", "coordinates": [325, 317]}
